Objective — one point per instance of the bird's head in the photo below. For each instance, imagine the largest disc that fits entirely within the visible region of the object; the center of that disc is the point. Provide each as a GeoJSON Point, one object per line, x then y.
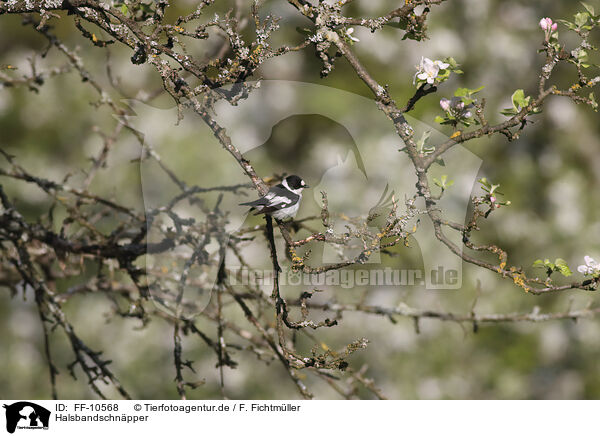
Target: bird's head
{"type": "Point", "coordinates": [294, 184]}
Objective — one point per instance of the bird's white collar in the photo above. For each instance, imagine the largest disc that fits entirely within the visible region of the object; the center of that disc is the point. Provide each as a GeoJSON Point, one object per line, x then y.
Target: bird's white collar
{"type": "Point", "coordinates": [295, 191]}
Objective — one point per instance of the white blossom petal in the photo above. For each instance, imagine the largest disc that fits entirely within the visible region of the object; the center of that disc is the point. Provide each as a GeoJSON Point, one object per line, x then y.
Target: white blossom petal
{"type": "Point", "coordinates": [349, 33]}
{"type": "Point", "coordinates": [583, 269]}
{"type": "Point", "coordinates": [589, 261]}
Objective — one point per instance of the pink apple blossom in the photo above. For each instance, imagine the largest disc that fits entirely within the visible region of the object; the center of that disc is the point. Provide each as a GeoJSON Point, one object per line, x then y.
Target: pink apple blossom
{"type": "Point", "coordinates": [456, 107]}
{"type": "Point", "coordinates": [546, 24]}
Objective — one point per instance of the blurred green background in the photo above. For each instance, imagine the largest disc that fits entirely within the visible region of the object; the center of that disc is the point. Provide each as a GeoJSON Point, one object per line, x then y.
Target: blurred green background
{"type": "Point", "coordinates": [551, 175]}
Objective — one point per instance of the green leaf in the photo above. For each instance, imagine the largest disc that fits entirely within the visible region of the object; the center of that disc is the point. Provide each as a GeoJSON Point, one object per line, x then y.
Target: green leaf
{"type": "Point", "coordinates": [562, 267]}
{"type": "Point", "coordinates": [466, 92]}
{"type": "Point", "coordinates": [146, 8]}
{"type": "Point", "coordinates": [443, 182]}
{"type": "Point", "coordinates": [421, 142]}
{"type": "Point", "coordinates": [517, 96]}
{"type": "Point", "coordinates": [486, 185]}
{"type": "Point", "coordinates": [439, 119]}
{"type": "Point", "coordinates": [443, 75]}
{"type": "Point", "coordinates": [589, 8]}
{"type": "Point", "coordinates": [570, 25]}
{"type": "Point", "coordinates": [519, 100]}
{"type": "Point", "coordinates": [581, 18]}
{"type": "Point", "coordinates": [452, 62]}
{"type": "Point", "coordinates": [592, 98]}
{"type": "Point", "coordinates": [124, 9]}
{"type": "Point", "coordinates": [583, 58]}
{"type": "Point", "coordinates": [539, 264]}
{"type": "Point", "coordinates": [509, 112]}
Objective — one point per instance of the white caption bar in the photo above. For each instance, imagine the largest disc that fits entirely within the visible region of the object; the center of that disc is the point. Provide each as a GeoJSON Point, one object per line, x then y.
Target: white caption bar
{"type": "Point", "coordinates": [65, 418]}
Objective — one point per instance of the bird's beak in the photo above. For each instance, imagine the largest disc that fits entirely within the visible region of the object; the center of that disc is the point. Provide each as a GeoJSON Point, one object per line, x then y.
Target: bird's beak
{"type": "Point", "coordinates": [306, 186]}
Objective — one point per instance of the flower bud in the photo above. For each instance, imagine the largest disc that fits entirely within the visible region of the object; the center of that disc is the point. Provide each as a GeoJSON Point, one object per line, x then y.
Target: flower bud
{"type": "Point", "coordinates": [546, 24]}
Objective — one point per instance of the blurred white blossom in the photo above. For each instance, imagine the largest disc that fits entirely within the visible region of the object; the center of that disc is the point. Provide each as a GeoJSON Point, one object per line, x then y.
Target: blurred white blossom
{"type": "Point", "coordinates": [590, 267]}
{"type": "Point", "coordinates": [349, 33]}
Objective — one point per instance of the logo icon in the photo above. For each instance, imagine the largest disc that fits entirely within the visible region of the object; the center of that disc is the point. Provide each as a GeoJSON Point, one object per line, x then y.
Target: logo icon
{"type": "Point", "coordinates": [26, 415]}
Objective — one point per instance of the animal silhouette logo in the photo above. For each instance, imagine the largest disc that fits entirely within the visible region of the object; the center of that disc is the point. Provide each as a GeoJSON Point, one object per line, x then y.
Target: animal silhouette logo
{"type": "Point", "coordinates": [26, 415]}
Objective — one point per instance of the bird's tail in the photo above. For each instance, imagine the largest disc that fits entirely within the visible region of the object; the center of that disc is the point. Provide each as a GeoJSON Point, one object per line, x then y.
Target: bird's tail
{"type": "Point", "coordinates": [250, 203]}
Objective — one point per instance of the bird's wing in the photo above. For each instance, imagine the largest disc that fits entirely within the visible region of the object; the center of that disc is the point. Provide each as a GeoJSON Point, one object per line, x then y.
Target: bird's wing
{"type": "Point", "coordinates": [259, 202]}
{"type": "Point", "coordinates": [279, 195]}
{"type": "Point", "coordinates": [277, 198]}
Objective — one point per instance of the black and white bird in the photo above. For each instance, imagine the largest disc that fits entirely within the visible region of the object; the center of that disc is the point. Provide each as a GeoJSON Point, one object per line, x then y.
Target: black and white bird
{"type": "Point", "coordinates": [282, 201]}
